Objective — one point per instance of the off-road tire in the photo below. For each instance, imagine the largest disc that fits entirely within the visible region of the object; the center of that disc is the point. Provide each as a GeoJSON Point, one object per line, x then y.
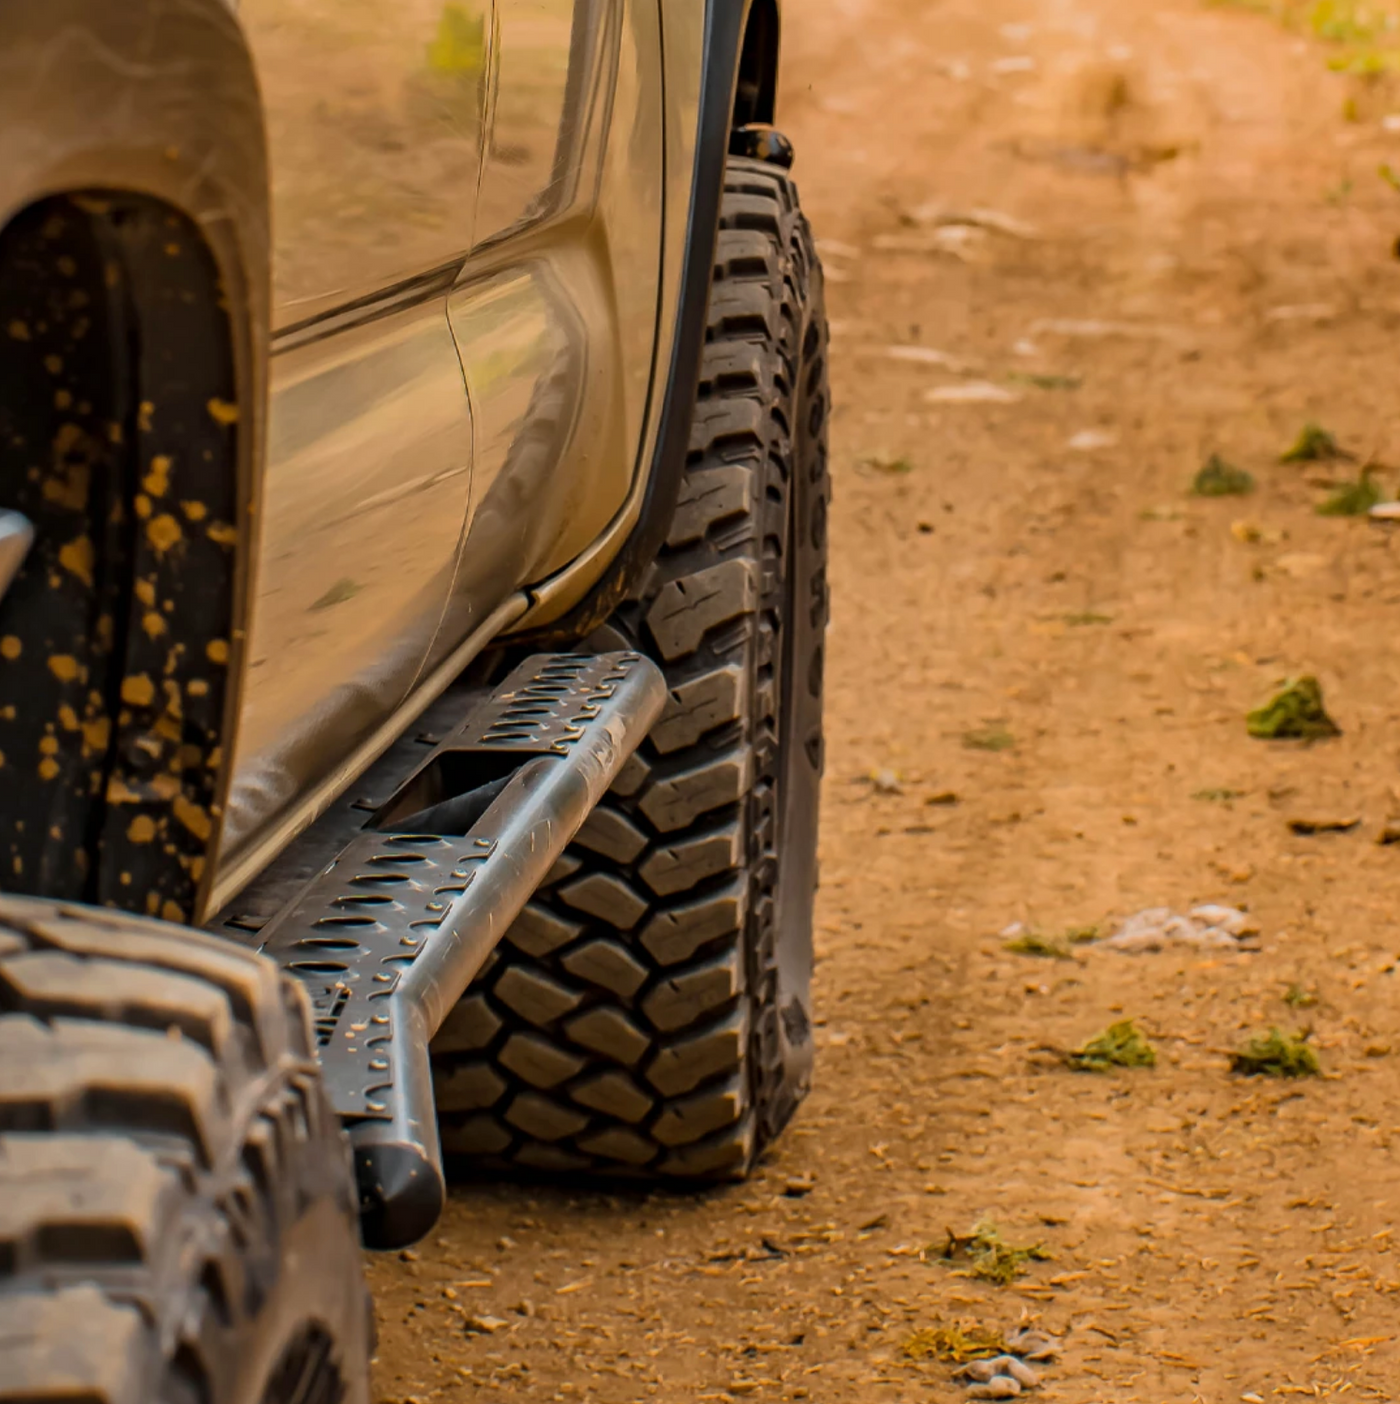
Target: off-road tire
{"type": "Point", "coordinates": [177, 1211]}
{"type": "Point", "coordinates": [649, 1013]}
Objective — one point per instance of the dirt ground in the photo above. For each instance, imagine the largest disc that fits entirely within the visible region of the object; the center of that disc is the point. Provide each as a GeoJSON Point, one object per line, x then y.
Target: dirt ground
{"type": "Point", "coordinates": [1206, 263]}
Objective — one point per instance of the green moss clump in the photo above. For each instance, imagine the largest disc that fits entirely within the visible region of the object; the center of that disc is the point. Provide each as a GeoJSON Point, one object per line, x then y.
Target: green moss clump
{"type": "Point", "coordinates": [1294, 713]}
{"type": "Point", "coordinates": [990, 1256]}
{"type": "Point", "coordinates": [1296, 997]}
{"type": "Point", "coordinates": [1277, 1055]}
{"type": "Point", "coordinates": [1352, 499]}
{"type": "Point", "coordinates": [1221, 479]}
{"type": "Point", "coordinates": [1314, 444]}
{"type": "Point", "coordinates": [1082, 935]}
{"type": "Point", "coordinates": [956, 1344]}
{"type": "Point", "coordinates": [1121, 1045]}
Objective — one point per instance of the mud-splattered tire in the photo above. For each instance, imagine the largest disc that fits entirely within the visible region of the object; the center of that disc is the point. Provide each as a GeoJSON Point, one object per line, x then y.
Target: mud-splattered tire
{"type": "Point", "coordinates": [177, 1213]}
{"type": "Point", "coordinates": [649, 1013]}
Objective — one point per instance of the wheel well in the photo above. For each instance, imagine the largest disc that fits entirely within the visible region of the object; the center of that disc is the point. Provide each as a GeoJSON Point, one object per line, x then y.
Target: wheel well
{"type": "Point", "coordinates": [756, 96]}
{"type": "Point", "coordinates": [119, 440]}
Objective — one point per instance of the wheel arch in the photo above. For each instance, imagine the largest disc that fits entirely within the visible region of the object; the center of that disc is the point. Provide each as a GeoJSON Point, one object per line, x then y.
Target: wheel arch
{"type": "Point", "coordinates": [152, 110]}
{"type": "Point", "coordinates": [756, 92]}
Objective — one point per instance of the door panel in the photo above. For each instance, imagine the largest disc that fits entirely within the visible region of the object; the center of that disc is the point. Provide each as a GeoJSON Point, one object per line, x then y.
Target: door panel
{"type": "Point", "coordinates": [374, 123]}
{"type": "Point", "coordinates": [368, 471]}
{"type": "Point", "coordinates": [374, 115]}
{"type": "Point", "coordinates": [573, 285]}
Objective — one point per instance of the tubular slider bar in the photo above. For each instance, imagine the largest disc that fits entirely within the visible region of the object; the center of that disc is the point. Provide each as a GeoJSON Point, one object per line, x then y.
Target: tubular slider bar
{"type": "Point", "coordinates": [390, 934]}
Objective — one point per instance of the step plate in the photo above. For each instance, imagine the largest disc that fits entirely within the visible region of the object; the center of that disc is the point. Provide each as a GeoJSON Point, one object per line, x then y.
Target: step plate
{"type": "Point", "coordinates": [396, 909]}
{"type": "Point", "coordinates": [350, 938]}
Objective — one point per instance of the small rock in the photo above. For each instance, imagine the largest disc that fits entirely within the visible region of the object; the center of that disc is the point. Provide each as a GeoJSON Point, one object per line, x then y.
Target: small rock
{"type": "Point", "coordinates": [1236, 922]}
{"type": "Point", "coordinates": [1308, 827]}
{"type": "Point", "coordinates": [1385, 512]}
{"type": "Point", "coordinates": [975, 392]}
{"type": "Point", "coordinates": [1157, 928]}
{"type": "Point", "coordinates": [1018, 1370]}
{"type": "Point", "coordinates": [1088, 440]}
{"type": "Point", "coordinates": [977, 1371]}
{"type": "Point", "coordinates": [999, 1387]}
{"type": "Point", "coordinates": [483, 1325]}
{"type": "Point", "coordinates": [985, 1371]}
{"type": "Point", "coordinates": [1137, 942]}
{"type": "Point", "coordinates": [800, 1185]}
{"type": "Point", "coordinates": [886, 782]}
{"type": "Point", "coordinates": [1031, 1344]}
{"type": "Point", "coordinates": [926, 356]}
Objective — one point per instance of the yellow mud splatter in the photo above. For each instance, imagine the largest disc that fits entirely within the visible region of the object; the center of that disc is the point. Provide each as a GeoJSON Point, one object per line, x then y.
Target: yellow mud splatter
{"type": "Point", "coordinates": [76, 557]}
{"type": "Point", "coordinates": [193, 817]}
{"type": "Point", "coordinates": [157, 481]}
{"type": "Point", "coordinates": [138, 690]}
{"type": "Point", "coordinates": [164, 532]}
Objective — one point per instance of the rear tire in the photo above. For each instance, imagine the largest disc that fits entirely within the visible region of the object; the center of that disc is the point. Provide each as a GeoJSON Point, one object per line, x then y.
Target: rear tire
{"type": "Point", "coordinates": [177, 1214]}
{"type": "Point", "coordinates": [649, 1012]}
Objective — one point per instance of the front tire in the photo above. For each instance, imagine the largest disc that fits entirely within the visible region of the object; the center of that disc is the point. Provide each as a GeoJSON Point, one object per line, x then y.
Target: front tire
{"type": "Point", "coordinates": [649, 1014]}
{"type": "Point", "coordinates": [177, 1213]}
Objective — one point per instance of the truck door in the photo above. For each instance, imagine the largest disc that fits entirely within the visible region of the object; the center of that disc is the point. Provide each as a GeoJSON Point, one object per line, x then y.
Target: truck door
{"type": "Point", "coordinates": [374, 116]}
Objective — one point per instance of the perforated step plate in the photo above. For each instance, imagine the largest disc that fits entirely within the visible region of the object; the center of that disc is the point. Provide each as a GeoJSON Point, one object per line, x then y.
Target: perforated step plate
{"type": "Point", "coordinates": [390, 934]}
